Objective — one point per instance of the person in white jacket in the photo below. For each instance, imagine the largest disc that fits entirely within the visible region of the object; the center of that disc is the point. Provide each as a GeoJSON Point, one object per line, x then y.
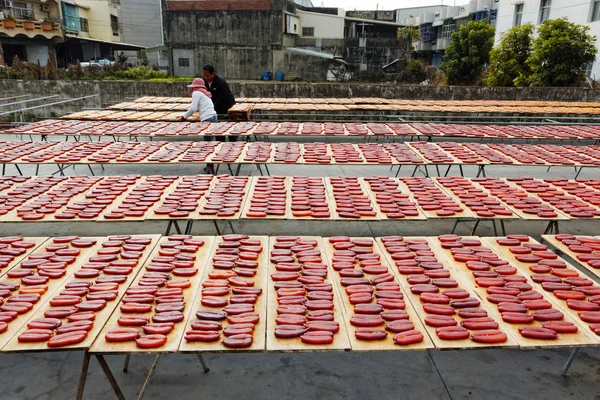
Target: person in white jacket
{"type": "Point", "coordinates": [201, 102]}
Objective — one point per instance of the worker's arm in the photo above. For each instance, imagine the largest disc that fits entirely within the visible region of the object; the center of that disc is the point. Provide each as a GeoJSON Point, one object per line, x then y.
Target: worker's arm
{"type": "Point", "coordinates": [194, 107]}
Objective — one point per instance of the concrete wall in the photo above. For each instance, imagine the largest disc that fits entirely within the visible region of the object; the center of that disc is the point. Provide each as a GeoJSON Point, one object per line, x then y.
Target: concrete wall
{"type": "Point", "coordinates": [238, 43]}
{"type": "Point", "coordinates": [116, 91]}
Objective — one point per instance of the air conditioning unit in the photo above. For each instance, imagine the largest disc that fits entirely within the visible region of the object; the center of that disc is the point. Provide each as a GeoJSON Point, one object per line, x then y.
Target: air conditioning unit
{"type": "Point", "coordinates": [7, 4]}
{"type": "Point", "coordinates": [44, 7]}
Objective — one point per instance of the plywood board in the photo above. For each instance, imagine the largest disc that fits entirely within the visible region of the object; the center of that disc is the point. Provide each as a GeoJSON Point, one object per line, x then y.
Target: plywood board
{"type": "Point", "coordinates": [204, 201]}
{"type": "Point", "coordinates": [101, 316]}
{"type": "Point", "coordinates": [552, 240]}
{"type": "Point", "coordinates": [119, 201]}
{"type": "Point", "coordinates": [334, 207]}
{"type": "Point", "coordinates": [466, 213]}
{"type": "Point", "coordinates": [17, 260]}
{"type": "Point", "coordinates": [457, 199]}
{"type": "Point", "coordinates": [414, 299]}
{"type": "Point", "coordinates": [325, 194]}
{"type": "Point", "coordinates": [260, 281]}
{"type": "Point", "coordinates": [175, 336]}
{"type": "Point", "coordinates": [53, 285]}
{"type": "Point", "coordinates": [386, 344]}
{"type": "Point", "coordinates": [373, 196]}
{"type": "Point", "coordinates": [524, 269]}
{"type": "Point", "coordinates": [179, 185]}
{"type": "Point", "coordinates": [340, 341]}
{"type": "Point", "coordinates": [567, 340]}
{"type": "Point", "coordinates": [252, 191]}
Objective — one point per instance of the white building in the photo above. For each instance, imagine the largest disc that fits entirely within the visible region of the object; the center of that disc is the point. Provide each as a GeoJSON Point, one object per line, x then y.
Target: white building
{"type": "Point", "coordinates": [438, 23]}
{"type": "Point", "coordinates": [517, 12]}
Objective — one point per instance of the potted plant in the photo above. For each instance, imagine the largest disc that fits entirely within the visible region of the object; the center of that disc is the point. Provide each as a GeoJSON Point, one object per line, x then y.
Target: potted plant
{"type": "Point", "coordinates": [47, 24]}
{"type": "Point", "coordinates": [29, 24]}
{"type": "Point", "coordinates": [9, 22]}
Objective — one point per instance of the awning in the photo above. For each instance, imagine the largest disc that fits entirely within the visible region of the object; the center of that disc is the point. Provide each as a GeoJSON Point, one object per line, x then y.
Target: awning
{"type": "Point", "coordinates": [158, 47]}
{"type": "Point", "coordinates": [315, 53]}
{"type": "Point", "coordinates": [374, 21]}
{"type": "Point", "coordinates": [438, 23]}
{"type": "Point", "coordinates": [115, 45]}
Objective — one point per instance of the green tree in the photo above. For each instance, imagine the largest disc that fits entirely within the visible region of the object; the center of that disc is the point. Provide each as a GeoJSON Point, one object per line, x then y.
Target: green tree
{"type": "Point", "coordinates": [559, 53]}
{"type": "Point", "coordinates": [508, 59]}
{"type": "Point", "coordinates": [468, 52]}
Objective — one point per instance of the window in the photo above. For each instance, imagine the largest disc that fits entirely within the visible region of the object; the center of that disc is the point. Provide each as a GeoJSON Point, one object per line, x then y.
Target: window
{"type": "Point", "coordinates": [114, 24]}
{"type": "Point", "coordinates": [20, 10]}
{"type": "Point", "coordinates": [518, 15]}
{"type": "Point", "coordinates": [84, 25]}
{"type": "Point", "coordinates": [183, 62]}
{"type": "Point", "coordinates": [448, 30]}
{"type": "Point", "coordinates": [71, 17]}
{"type": "Point", "coordinates": [545, 10]}
{"type": "Point", "coordinates": [308, 31]}
{"type": "Point", "coordinates": [596, 11]}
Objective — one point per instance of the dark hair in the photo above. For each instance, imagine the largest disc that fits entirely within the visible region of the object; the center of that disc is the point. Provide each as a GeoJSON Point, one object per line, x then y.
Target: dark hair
{"type": "Point", "coordinates": [209, 68]}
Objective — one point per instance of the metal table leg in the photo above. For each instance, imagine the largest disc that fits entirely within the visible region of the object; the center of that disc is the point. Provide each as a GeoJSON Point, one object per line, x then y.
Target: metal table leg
{"type": "Point", "coordinates": [149, 377]}
{"type": "Point", "coordinates": [188, 228]}
{"type": "Point", "coordinates": [475, 227]}
{"type": "Point", "coordinates": [204, 366]}
{"type": "Point", "coordinates": [414, 171]}
{"type": "Point", "coordinates": [83, 375]}
{"type": "Point", "coordinates": [455, 225]}
{"type": "Point", "coordinates": [217, 227]}
{"type": "Point", "coordinates": [170, 224]}
{"type": "Point", "coordinates": [110, 377]}
{"type": "Point", "coordinates": [448, 170]}
{"type": "Point", "coordinates": [126, 365]}
{"type": "Point", "coordinates": [578, 172]}
{"type": "Point", "coordinates": [231, 226]}
{"type": "Point", "coordinates": [502, 227]}
{"type": "Point", "coordinates": [569, 362]}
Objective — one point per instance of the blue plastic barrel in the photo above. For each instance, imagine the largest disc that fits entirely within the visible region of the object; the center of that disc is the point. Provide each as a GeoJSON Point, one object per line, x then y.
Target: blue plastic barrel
{"type": "Point", "coordinates": [279, 76]}
{"type": "Point", "coordinates": [267, 76]}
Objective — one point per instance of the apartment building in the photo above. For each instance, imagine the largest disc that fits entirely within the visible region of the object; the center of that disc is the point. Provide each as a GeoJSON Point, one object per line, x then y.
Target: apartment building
{"type": "Point", "coordinates": [29, 30]}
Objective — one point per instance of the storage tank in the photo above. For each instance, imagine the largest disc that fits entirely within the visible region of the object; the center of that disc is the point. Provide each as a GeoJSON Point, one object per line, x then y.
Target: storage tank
{"type": "Point", "coordinates": [484, 5]}
{"type": "Point", "coordinates": [453, 11]}
{"type": "Point", "coordinates": [427, 18]}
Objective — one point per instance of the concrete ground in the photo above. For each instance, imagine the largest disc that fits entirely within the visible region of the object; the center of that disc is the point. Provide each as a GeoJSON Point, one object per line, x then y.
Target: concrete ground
{"type": "Point", "coordinates": [476, 374]}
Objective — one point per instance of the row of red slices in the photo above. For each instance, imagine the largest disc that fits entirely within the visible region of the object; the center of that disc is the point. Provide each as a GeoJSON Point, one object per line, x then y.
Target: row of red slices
{"type": "Point", "coordinates": [441, 297]}
{"type": "Point", "coordinates": [156, 302]}
{"type": "Point", "coordinates": [517, 301]}
{"type": "Point", "coordinates": [321, 153]}
{"type": "Point", "coordinates": [230, 293]}
{"type": "Point", "coordinates": [119, 198]}
{"type": "Point", "coordinates": [152, 128]}
{"type": "Point", "coordinates": [305, 296]}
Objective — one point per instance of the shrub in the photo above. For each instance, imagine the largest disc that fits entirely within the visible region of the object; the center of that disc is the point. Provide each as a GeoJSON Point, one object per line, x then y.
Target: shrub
{"type": "Point", "coordinates": [509, 59]}
{"type": "Point", "coordinates": [468, 52]}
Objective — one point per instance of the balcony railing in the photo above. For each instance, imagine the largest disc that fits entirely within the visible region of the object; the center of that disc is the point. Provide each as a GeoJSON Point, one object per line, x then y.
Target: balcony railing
{"type": "Point", "coordinates": [14, 27]}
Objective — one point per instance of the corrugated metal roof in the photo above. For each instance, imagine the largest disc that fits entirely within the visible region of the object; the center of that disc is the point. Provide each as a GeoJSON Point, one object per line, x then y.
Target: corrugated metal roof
{"type": "Point", "coordinates": [315, 53]}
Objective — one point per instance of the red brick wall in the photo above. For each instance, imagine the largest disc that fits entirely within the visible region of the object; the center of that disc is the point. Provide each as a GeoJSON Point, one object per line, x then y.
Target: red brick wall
{"type": "Point", "coordinates": [210, 5]}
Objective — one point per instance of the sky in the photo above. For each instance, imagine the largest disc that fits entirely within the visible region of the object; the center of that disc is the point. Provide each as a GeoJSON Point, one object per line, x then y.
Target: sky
{"type": "Point", "coordinates": [383, 4]}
